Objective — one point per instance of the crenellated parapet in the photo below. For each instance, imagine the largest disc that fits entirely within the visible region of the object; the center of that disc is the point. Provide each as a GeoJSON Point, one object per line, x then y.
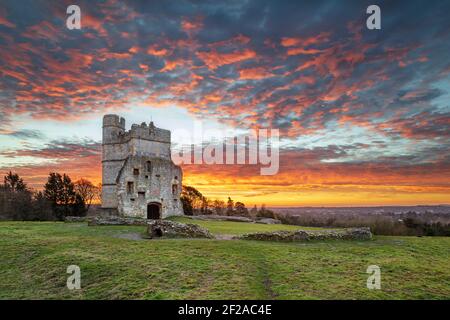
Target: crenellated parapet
{"type": "Point", "coordinates": [114, 131]}
{"type": "Point", "coordinates": [113, 120]}
{"type": "Point", "coordinates": [149, 132]}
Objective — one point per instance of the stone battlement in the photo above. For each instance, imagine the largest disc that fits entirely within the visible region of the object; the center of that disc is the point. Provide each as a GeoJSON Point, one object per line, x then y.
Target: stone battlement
{"type": "Point", "coordinates": [143, 131]}
{"type": "Point", "coordinates": [149, 132]}
{"type": "Point", "coordinates": [113, 120]}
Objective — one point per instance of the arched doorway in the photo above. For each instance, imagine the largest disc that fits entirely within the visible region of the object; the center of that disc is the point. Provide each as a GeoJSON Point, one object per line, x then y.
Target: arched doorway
{"type": "Point", "coordinates": [154, 210]}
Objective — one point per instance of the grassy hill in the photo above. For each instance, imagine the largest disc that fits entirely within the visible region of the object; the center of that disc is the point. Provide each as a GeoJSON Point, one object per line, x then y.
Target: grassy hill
{"type": "Point", "coordinates": [115, 264]}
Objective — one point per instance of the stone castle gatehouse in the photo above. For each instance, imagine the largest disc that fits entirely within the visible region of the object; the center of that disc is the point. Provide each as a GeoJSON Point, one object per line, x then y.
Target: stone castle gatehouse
{"type": "Point", "coordinates": [139, 178]}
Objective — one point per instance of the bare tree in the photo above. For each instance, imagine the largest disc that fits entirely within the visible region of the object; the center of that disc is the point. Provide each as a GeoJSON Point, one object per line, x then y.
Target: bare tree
{"type": "Point", "coordinates": [87, 191]}
{"type": "Point", "coordinates": [219, 207]}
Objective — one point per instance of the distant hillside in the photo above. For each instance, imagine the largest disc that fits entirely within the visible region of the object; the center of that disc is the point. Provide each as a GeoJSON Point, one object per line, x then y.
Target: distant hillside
{"type": "Point", "coordinates": [397, 210]}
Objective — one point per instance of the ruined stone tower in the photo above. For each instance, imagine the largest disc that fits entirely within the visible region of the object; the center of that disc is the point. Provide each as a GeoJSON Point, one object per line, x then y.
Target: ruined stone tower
{"type": "Point", "coordinates": [138, 176]}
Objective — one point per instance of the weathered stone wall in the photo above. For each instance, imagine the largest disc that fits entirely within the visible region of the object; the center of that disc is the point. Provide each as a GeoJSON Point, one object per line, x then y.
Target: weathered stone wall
{"type": "Point", "coordinates": [308, 235]}
{"type": "Point", "coordinates": [75, 219]}
{"type": "Point", "coordinates": [116, 221]}
{"type": "Point", "coordinates": [141, 147]}
{"type": "Point", "coordinates": [149, 132]}
{"type": "Point", "coordinates": [172, 229]}
{"type": "Point", "coordinates": [149, 186]}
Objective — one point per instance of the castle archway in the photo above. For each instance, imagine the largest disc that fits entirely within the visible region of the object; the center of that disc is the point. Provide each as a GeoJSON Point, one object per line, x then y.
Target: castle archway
{"type": "Point", "coordinates": [154, 210]}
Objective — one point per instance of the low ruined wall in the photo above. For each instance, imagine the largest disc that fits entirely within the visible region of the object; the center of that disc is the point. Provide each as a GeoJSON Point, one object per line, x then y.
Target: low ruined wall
{"type": "Point", "coordinates": [172, 229]}
{"type": "Point", "coordinates": [75, 219]}
{"type": "Point", "coordinates": [117, 221]}
{"type": "Point", "coordinates": [308, 235]}
{"type": "Point", "coordinates": [268, 221]}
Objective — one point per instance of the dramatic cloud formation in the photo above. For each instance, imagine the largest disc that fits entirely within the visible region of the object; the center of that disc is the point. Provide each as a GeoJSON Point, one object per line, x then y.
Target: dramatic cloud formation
{"type": "Point", "coordinates": [364, 114]}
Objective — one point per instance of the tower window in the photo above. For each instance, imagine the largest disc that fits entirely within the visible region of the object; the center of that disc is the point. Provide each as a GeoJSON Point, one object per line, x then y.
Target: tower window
{"type": "Point", "coordinates": [136, 172]}
{"type": "Point", "coordinates": [130, 187]}
{"type": "Point", "coordinates": [174, 189]}
{"type": "Point", "coordinates": [149, 166]}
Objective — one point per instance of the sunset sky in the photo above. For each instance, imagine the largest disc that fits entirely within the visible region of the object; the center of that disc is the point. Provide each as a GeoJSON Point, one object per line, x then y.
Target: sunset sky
{"type": "Point", "coordinates": [364, 115]}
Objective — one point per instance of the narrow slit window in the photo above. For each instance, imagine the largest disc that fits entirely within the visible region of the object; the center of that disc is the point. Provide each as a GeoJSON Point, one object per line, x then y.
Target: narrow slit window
{"type": "Point", "coordinates": [174, 189]}
{"type": "Point", "coordinates": [130, 187]}
{"type": "Point", "coordinates": [149, 166]}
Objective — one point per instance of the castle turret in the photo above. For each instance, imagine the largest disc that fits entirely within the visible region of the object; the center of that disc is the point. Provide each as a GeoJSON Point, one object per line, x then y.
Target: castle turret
{"type": "Point", "coordinates": [113, 128]}
{"type": "Point", "coordinates": [113, 156]}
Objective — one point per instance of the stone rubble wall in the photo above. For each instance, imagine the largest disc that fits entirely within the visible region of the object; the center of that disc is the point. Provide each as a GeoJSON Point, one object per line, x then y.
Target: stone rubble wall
{"type": "Point", "coordinates": [172, 229]}
{"type": "Point", "coordinates": [268, 221]}
{"type": "Point", "coordinates": [308, 235]}
{"type": "Point", "coordinates": [117, 221]}
{"type": "Point", "coordinates": [75, 219]}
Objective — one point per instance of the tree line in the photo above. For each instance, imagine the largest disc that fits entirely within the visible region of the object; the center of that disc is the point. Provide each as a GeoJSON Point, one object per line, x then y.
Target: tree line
{"type": "Point", "coordinates": [60, 198]}
{"type": "Point", "coordinates": [386, 223]}
{"type": "Point", "coordinates": [195, 203]}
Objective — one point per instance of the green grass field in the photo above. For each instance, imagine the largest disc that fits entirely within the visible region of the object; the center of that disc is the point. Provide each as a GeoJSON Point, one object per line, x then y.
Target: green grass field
{"type": "Point", "coordinates": [238, 228]}
{"type": "Point", "coordinates": [114, 265]}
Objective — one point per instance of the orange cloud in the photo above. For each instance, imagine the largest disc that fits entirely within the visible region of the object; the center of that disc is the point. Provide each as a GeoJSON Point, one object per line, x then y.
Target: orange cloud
{"type": "Point", "coordinates": [214, 59]}
{"type": "Point", "coordinates": [254, 73]}
{"type": "Point", "coordinates": [191, 25]}
{"type": "Point", "coordinates": [304, 42]}
{"type": "Point", "coordinates": [94, 23]}
{"type": "Point", "coordinates": [153, 50]}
